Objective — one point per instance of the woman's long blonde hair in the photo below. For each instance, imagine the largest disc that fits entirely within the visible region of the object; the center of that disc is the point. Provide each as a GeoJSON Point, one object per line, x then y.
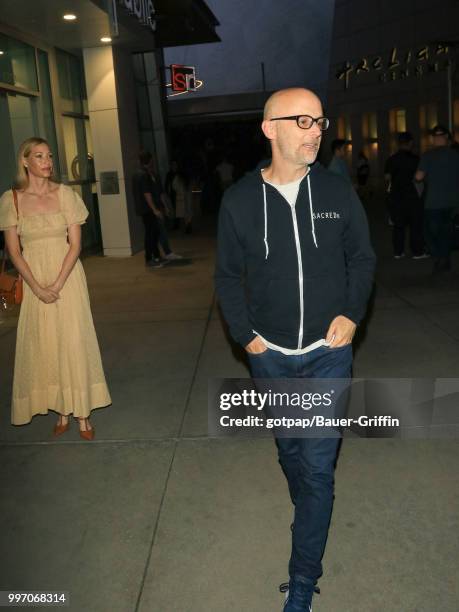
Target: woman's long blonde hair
{"type": "Point", "coordinates": [21, 180]}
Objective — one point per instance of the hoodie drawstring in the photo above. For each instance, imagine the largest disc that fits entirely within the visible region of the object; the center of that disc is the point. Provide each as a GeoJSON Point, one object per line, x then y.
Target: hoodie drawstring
{"type": "Point", "coordinates": [311, 212]}
{"type": "Point", "coordinates": [266, 221]}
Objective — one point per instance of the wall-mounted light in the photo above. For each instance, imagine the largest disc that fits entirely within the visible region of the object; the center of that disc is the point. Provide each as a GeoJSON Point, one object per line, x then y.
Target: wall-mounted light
{"type": "Point", "coordinates": [105, 39]}
{"type": "Point", "coordinates": [69, 17]}
{"type": "Point", "coordinates": [2, 53]}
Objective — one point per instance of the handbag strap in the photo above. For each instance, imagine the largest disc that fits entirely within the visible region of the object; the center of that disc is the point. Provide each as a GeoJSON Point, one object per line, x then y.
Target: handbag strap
{"type": "Point", "coordinates": [5, 248]}
{"type": "Point", "coordinates": [15, 200]}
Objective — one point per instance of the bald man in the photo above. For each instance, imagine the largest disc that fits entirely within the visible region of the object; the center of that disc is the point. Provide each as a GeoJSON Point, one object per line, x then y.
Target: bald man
{"type": "Point", "coordinates": [293, 276]}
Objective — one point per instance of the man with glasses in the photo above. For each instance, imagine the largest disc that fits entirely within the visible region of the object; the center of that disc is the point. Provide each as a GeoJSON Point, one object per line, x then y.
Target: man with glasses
{"type": "Point", "coordinates": [293, 276]}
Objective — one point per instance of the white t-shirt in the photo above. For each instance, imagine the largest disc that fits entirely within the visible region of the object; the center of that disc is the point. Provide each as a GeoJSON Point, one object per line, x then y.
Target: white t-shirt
{"type": "Point", "coordinates": [289, 190]}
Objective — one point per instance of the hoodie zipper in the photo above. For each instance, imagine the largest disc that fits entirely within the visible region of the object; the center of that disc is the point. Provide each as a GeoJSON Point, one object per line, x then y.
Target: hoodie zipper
{"type": "Point", "coordinates": [298, 249]}
{"type": "Point", "coordinates": [300, 274]}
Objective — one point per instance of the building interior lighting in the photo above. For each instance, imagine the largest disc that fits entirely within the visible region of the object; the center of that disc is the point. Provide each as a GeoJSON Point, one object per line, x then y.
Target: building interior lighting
{"type": "Point", "coordinates": [2, 53]}
{"type": "Point", "coordinates": [69, 17]}
{"type": "Point", "coordinates": [105, 39]}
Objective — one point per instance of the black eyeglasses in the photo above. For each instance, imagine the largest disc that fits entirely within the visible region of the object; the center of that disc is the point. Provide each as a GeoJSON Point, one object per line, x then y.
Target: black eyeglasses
{"type": "Point", "coordinates": [305, 122]}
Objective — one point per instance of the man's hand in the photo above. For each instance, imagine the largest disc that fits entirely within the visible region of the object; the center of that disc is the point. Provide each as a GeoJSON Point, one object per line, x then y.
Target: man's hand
{"type": "Point", "coordinates": [256, 346]}
{"type": "Point", "coordinates": [340, 332]}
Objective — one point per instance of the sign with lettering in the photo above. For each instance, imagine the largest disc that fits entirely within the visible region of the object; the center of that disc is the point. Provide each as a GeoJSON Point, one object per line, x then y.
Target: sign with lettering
{"type": "Point", "coordinates": [424, 60]}
{"type": "Point", "coordinates": [144, 10]}
{"type": "Point", "coordinates": [183, 78]}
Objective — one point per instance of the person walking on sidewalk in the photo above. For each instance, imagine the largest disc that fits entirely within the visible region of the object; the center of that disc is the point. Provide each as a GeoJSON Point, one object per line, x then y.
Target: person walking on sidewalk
{"type": "Point", "coordinates": [293, 276]}
{"type": "Point", "coordinates": [439, 169]}
{"type": "Point", "coordinates": [57, 365]}
{"type": "Point", "coordinates": [147, 205]}
{"type": "Point", "coordinates": [405, 205]}
{"type": "Point", "coordinates": [163, 203]}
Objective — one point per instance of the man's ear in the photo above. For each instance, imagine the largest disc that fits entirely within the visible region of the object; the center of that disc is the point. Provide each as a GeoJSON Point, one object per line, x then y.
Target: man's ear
{"type": "Point", "coordinates": [269, 129]}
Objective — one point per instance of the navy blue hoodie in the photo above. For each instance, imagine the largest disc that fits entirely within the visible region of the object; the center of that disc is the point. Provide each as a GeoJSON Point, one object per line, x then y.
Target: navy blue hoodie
{"type": "Point", "coordinates": [288, 272]}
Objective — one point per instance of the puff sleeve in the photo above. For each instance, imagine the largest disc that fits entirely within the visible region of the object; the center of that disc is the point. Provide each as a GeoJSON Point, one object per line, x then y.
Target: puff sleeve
{"type": "Point", "coordinates": [8, 216]}
{"type": "Point", "coordinates": [74, 208]}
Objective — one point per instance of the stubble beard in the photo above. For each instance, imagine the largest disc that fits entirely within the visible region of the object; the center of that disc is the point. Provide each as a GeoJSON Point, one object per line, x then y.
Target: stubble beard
{"type": "Point", "coordinates": [300, 156]}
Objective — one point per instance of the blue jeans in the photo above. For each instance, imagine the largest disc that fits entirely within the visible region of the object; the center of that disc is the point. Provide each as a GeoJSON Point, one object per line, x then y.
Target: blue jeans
{"type": "Point", "coordinates": [308, 463]}
{"type": "Point", "coordinates": [439, 232]}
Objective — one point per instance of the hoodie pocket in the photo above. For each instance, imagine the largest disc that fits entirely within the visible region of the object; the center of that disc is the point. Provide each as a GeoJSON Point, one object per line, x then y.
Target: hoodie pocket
{"type": "Point", "coordinates": [279, 311]}
{"type": "Point", "coordinates": [324, 299]}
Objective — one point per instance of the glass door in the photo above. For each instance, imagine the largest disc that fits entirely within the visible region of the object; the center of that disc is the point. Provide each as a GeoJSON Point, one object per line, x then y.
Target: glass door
{"type": "Point", "coordinates": [80, 169]}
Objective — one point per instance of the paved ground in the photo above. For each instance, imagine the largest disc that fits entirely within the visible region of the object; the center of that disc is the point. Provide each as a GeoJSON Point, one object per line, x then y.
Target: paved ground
{"type": "Point", "coordinates": [153, 516]}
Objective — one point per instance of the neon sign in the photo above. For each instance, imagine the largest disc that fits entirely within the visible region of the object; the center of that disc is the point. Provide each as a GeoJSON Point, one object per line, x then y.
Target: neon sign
{"type": "Point", "coordinates": [183, 78]}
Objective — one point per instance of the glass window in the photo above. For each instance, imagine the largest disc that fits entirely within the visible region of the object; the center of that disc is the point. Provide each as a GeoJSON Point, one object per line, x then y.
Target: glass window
{"type": "Point", "coordinates": [344, 128]}
{"type": "Point", "coordinates": [8, 165]}
{"type": "Point", "coordinates": [397, 124]}
{"type": "Point", "coordinates": [46, 106]}
{"type": "Point", "coordinates": [427, 120]}
{"type": "Point", "coordinates": [72, 88]}
{"type": "Point", "coordinates": [370, 138]}
{"type": "Point", "coordinates": [17, 64]}
{"type": "Point", "coordinates": [18, 121]}
{"type": "Point", "coordinates": [23, 118]}
{"type": "Point", "coordinates": [370, 127]}
{"type": "Point", "coordinates": [344, 131]}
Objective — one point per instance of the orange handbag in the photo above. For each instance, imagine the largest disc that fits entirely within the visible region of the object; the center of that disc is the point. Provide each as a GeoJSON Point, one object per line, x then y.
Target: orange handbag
{"type": "Point", "coordinates": [11, 286]}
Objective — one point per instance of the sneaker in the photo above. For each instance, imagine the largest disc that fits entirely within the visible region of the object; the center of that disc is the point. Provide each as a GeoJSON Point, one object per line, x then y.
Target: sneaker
{"type": "Point", "coordinates": [422, 256]}
{"type": "Point", "coordinates": [298, 594]}
{"type": "Point", "coordinates": [399, 256]}
{"type": "Point", "coordinates": [173, 257]}
{"type": "Point", "coordinates": [154, 263]}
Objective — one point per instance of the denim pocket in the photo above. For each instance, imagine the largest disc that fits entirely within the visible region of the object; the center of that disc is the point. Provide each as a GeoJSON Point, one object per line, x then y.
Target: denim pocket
{"type": "Point", "coordinates": [258, 354]}
{"type": "Point", "coordinates": [339, 348]}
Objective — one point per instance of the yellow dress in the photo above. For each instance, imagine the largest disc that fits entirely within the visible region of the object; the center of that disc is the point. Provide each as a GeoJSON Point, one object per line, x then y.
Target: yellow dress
{"type": "Point", "coordinates": [57, 365]}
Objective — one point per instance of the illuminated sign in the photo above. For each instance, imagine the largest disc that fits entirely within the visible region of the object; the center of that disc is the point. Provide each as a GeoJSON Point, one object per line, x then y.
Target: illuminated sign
{"type": "Point", "coordinates": [423, 61]}
{"type": "Point", "coordinates": [183, 78]}
{"type": "Point", "coordinates": [143, 10]}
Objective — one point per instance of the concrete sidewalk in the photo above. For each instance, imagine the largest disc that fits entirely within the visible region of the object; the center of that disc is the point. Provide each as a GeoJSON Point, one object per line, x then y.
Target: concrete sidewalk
{"type": "Point", "coordinates": [153, 516]}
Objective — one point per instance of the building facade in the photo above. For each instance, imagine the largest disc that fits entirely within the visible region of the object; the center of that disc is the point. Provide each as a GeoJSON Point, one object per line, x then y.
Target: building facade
{"type": "Point", "coordinates": [71, 75]}
{"type": "Point", "coordinates": [393, 69]}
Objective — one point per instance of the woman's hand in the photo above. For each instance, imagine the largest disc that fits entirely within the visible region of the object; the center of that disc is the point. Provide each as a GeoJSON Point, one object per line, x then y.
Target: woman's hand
{"type": "Point", "coordinates": [55, 287]}
{"type": "Point", "coordinates": [46, 294]}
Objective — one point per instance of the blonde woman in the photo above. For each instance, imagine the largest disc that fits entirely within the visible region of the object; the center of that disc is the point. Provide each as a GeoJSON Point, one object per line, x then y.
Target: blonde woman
{"type": "Point", "coordinates": [57, 365]}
